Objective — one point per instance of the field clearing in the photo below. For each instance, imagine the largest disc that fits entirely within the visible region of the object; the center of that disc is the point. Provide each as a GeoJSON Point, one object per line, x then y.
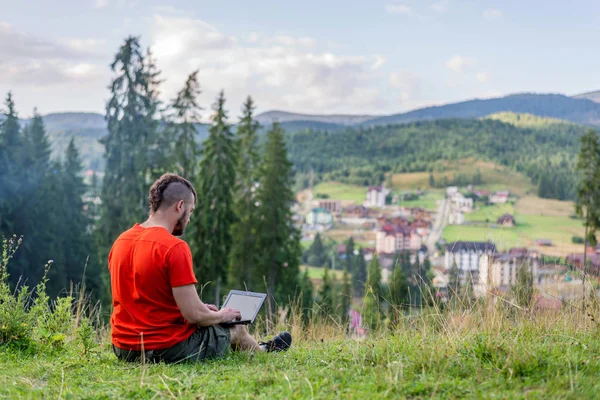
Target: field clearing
{"type": "Point", "coordinates": [495, 177]}
{"type": "Point", "coordinates": [428, 201]}
{"type": "Point", "coordinates": [315, 273]}
{"type": "Point", "coordinates": [490, 213]}
{"type": "Point", "coordinates": [341, 191]}
{"type": "Point", "coordinates": [534, 205]}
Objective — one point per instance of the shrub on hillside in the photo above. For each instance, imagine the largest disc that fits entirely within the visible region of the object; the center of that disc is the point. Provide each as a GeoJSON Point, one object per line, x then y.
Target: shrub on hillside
{"type": "Point", "coordinates": [30, 320]}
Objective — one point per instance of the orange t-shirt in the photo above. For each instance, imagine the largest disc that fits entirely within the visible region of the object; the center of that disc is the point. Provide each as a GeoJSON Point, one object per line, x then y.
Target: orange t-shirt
{"type": "Point", "coordinates": [145, 264]}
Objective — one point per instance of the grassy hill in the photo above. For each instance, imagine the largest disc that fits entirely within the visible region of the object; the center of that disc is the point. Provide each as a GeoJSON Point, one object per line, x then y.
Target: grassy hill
{"type": "Point", "coordinates": [499, 354]}
{"type": "Point", "coordinates": [365, 156]}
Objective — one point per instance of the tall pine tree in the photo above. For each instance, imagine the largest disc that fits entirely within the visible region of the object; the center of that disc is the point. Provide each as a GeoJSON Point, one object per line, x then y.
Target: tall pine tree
{"type": "Point", "coordinates": [244, 251]}
{"type": "Point", "coordinates": [131, 144]}
{"type": "Point", "coordinates": [186, 116]}
{"type": "Point", "coordinates": [212, 241]}
{"type": "Point", "coordinates": [278, 238]}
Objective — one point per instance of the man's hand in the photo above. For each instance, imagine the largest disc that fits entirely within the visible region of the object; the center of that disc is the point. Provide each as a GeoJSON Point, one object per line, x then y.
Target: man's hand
{"type": "Point", "coordinates": [230, 314]}
{"type": "Point", "coordinates": [212, 307]}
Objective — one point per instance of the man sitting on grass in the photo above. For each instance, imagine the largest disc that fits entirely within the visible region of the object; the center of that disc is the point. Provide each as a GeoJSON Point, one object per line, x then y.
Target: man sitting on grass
{"type": "Point", "coordinates": [157, 314]}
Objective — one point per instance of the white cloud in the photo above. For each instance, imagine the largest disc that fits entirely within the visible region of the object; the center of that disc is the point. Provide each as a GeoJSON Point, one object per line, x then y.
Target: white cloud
{"type": "Point", "coordinates": [398, 9]}
{"type": "Point", "coordinates": [460, 63]}
{"type": "Point", "coordinates": [483, 77]}
{"type": "Point", "coordinates": [281, 72]}
{"type": "Point", "coordinates": [379, 62]}
{"type": "Point", "coordinates": [409, 88]}
{"type": "Point", "coordinates": [441, 6]}
{"type": "Point", "coordinates": [29, 60]}
{"type": "Point", "coordinates": [101, 4]}
{"type": "Point", "coordinates": [492, 13]}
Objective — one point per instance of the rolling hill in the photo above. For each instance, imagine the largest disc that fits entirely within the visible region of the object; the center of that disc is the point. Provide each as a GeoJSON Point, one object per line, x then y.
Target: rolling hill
{"type": "Point", "coordinates": [593, 96]}
{"type": "Point", "coordinates": [269, 117]}
{"type": "Point", "coordinates": [88, 128]}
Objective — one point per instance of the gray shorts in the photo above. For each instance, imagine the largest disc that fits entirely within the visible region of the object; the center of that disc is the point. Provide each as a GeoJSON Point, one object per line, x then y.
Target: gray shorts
{"type": "Point", "coordinates": [206, 342]}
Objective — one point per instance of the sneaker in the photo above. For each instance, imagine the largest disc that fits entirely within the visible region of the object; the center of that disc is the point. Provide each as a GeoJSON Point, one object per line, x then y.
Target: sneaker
{"type": "Point", "coordinates": [281, 342]}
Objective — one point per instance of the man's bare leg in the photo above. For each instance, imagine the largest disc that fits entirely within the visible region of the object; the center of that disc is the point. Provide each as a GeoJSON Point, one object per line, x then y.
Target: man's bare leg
{"type": "Point", "coordinates": [241, 339]}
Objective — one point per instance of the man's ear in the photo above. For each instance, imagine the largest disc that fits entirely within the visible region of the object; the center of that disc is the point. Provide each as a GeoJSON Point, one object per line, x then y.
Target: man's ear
{"type": "Point", "coordinates": [180, 206]}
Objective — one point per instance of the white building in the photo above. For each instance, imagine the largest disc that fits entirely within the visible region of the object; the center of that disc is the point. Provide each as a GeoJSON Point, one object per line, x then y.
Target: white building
{"type": "Point", "coordinates": [319, 216]}
{"type": "Point", "coordinates": [389, 242]}
{"type": "Point", "coordinates": [500, 270]}
{"type": "Point", "coordinates": [456, 218]}
{"type": "Point", "coordinates": [461, 203]}
{"type": "Point", "coordinates": [376, 196]}
{"type": "Point", "coordinates": [466, 256]}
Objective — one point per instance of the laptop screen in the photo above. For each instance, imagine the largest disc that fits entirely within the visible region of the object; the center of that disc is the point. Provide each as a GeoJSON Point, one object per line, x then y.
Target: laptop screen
{"type": "Point", "coordinates": [247, 305]}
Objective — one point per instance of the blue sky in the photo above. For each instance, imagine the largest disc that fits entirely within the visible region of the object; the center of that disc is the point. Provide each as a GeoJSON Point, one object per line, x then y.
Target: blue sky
{"type": "Point", "coordinates": [328, 56]}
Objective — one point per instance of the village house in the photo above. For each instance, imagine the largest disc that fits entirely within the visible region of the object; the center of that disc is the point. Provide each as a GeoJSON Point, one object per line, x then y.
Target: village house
{"type": "Point", "coordinates": [506, 220]}
{"type": "Point", "coordinates": [499, 197]}
{"type": "Point", "coordinates": [466, 256]}
{"type": "Point", "coordinates": [354, 211]}
{"type": "Point", "coordinates": [499, 270]}
{"type": "Point", "coordinates": [461, 203]}
{"type": "Point", "coordinates": [376, 196]}
{"type": "Point", "coordinates": [543, 242]}
{"type": "Point", "coordinates": [456, 218]}
{"type": "Point", "coordinates": [592, 260]}
{"type": "Point", "coordinates": [392, 239]}
{"type": "Point", "coordinates": [319, 217]}
{"type": "Point", "coordinates": [333, 206]}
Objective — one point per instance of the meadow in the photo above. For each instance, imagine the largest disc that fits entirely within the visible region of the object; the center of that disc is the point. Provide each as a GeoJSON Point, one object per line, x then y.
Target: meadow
{"type": "Point", "coordinates": [482, 352]}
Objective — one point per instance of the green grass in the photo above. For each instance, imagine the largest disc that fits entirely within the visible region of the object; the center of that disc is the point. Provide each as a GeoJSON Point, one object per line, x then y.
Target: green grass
{"type": "Point", "coordinates": [341, 191]}
{"type": "Point", "coordinates": [508, 357]}
{"type": "Point", "coordinates": [317, 273]}
{"type": "Point", "coordinates": [428, 201]}
{"type": "Point", "coordinates": [490, 213]}
{"type": "Point", "coordinates": [529, 228]}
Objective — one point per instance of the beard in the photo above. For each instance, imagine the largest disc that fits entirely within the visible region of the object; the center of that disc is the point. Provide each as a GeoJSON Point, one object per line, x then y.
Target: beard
{"type": "Point", "coordinates": [180, 225]}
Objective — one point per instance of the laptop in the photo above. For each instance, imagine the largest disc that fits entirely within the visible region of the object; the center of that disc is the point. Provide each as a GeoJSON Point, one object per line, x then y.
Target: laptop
{"type": "Point", "coordinates": [248, 304]}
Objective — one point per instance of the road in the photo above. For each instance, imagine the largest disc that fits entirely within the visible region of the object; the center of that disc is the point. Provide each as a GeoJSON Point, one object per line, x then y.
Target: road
{"type": "Point", "coordinates": [441, 218]}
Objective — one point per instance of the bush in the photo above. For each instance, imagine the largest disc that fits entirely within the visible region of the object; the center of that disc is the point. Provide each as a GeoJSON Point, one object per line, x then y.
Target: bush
{"type": "Point", "coordinates": [577, 239]}
{"type": "Point", "coordinates": [29, 319]}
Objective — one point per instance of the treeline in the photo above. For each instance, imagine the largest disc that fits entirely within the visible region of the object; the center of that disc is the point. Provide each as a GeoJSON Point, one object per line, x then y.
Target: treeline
{"type": "Point", "coordinates": [363, 155]}
{"type": "Point", "coordinates": [242, 233]}
{"type": "Point", "coordinates": [409, 284]}
{"type": "Point", "coordinates": [42, 201]}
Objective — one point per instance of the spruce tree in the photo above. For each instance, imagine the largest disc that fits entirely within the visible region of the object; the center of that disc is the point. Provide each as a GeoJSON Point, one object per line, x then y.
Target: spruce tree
{"type": "Point", "coordinates": [186, 116]}
{"type": "Point", "coordinates": [325, 296]}
{"type": "Point", "coordinates": [212, 226]}
{"type": "Point", "coordinates": [316, 252]}
{"type": "Point", "coordinates": [77, 240]}
{"type": "Point", "coordinates": [398, 289]}
{"type": "Point", "coordinates": [359, 277]}
{"type": "Point", "coordinates": [350, 255]}
{"type": "Point", "coordinates": [278, 237]}
{"type": "Point", "coordinates": [588, 191]}
{"type": "Point", "coordinates": [346, 295]}
{"type": "Point", "coordinates": [244, 252]}
{"type": "Point", "coordinates": [373, 299]}
{"type": "Point", "coordinates": [12, 173]}
{"type": "Point", "coordinates": [306, 294]}
{"type": "Point", "coordinates": [131, 144]}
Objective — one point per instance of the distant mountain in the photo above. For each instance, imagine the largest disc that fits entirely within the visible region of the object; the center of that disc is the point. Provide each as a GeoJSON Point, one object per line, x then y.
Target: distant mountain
{"type": "Point", "coordinates": [581, 111]}
{"type": "Point", "coordinates": [269, 117]}
{"type": "Point", "coordinates": [593, 96]}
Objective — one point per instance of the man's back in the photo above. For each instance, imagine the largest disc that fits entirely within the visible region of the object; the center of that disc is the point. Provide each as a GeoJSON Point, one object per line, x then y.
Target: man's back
{"type": "Point", "coordinates": [145, 264]}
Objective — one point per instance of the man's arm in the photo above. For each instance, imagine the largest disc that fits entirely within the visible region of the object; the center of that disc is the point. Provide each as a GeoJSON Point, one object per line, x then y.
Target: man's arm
{"type": "Point", "coordinates": [198, 313]}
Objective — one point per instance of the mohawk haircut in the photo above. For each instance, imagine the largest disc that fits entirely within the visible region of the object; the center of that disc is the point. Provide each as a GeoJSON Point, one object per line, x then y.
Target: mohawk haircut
{"type": "Point", "coordinates": [168, 190]}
